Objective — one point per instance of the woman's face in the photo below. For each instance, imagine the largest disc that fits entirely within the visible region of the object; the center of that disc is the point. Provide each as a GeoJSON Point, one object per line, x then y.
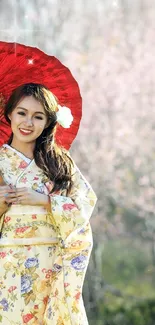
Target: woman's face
{"type": "Point", "coordinates": [28, 120]}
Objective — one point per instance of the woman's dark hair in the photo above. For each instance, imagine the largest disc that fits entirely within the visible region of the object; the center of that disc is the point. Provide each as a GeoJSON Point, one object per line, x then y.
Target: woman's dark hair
{"type": "Point", "coordinates": [51, 158]}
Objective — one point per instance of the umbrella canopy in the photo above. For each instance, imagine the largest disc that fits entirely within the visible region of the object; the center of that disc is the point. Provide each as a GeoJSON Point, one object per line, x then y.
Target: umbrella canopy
{"type": "Point", "coordinates": [20, 64]}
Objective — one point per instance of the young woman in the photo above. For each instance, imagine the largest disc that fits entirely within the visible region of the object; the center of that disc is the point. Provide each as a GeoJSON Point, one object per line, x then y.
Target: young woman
{"type": "Point", "coordinates": [45, 207]}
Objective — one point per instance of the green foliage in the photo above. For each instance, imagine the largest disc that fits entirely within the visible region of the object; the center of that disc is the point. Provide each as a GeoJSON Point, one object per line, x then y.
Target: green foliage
{"type": "Point", "coordinates": [132, 222]}
{"type": "Point", "coordinates": [127, 268]}
{"type": "Point", "coordinates": [123, 262]}
{"type": "Point", "coordinates": [140, 313]}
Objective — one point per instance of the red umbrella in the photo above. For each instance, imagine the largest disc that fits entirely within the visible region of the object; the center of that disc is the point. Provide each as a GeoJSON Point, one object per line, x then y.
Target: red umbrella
{"type": "Point", "coordinates": [21, 64]}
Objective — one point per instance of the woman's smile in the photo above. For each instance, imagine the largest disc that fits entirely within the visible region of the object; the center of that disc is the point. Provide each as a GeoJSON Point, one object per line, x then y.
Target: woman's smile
{"type": "Point", "coordinates": [25, 131]}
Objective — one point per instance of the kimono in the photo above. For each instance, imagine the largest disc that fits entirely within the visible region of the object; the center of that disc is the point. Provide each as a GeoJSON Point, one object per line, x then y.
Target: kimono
{"type": "Point", "coordinates": [44, 255]}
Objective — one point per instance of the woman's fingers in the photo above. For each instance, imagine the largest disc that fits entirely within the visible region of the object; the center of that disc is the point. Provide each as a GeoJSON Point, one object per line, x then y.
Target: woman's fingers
{"type": "Point", "coordinates": [22, 191]}
{"type": "Point", "coordinates": [10, 195]}
{"type": "Point", "coordinates": [4, 188]}
{"type": "Point", "coordinates": [14, 196]}
{"type": "Point", "coordinates": [4, 194]}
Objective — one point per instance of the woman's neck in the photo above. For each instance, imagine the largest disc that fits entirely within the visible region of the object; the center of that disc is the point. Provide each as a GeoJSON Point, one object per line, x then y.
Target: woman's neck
{"type": "Point", "coordinates": [26, 149]}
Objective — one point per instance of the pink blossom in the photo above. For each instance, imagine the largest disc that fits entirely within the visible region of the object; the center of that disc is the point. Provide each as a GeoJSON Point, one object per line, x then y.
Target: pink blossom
{"type": "Point", "coordinates": [12, 288]}
{"type": "Point", "coordinates": [49, 271]}
{"type": "Point", "coordinates": [2, 254]}
{"type": "Point", "coordinates": [45, 300]}
{"type": "Point", "coordinates": [27, 318]}
{"type": "Point", "coordinates": [34, 216]}
{"type": "Point", "coordinates": [68, 206]}
{"type": "Point", "coordinates": [24, 180]}
{"type": "Point", "coordinates": [78, 295]}
{"type": "Point", "coordinates": [7, 219]}
{"type": "Point", "coordinates": [22, 229]}
{"type": "Point", "coordinates": [66, 284]}
{"type": "Point", "coordinates": [23, 164]}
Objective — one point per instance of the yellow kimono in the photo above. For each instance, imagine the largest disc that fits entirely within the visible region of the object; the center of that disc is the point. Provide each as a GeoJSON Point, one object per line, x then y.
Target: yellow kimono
{"type": "Point", "coordinates": [44, 256]}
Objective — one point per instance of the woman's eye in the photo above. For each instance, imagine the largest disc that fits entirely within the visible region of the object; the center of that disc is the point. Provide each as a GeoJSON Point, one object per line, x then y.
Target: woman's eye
{"type": "Point", "coordinates": [21, 113]}
{"type": "Point", "coordinates": [39, 117]}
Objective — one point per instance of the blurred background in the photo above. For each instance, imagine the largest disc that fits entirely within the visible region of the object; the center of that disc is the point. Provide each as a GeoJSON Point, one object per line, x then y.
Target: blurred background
{"type": "Point", "coordinates": [109, 46]}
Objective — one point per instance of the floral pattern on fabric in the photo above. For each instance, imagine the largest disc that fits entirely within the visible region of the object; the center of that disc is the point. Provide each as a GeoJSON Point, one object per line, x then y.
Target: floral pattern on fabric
{"type": "Point", "coordinates": [41, 283]}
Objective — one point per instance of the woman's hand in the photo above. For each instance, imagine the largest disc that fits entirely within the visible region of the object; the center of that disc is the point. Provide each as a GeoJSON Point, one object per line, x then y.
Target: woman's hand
{"type": "Point", "coordinates": [27, 196]}
{"type": "Point", "coordinates": [3, 193]}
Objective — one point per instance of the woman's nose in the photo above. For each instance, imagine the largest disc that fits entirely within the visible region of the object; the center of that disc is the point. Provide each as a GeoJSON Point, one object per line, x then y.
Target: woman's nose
{"type": "Point", "coordinates": [29, 122]}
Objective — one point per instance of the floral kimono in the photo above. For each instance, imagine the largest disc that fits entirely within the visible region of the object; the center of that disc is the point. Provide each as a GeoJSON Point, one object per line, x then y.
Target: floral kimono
{"type": "Point", "coordinates": [44, 255]}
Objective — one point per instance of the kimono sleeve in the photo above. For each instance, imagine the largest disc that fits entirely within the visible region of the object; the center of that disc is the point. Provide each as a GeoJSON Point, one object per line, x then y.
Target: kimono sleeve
{"type": "Point", "coordinates": [70, 213]}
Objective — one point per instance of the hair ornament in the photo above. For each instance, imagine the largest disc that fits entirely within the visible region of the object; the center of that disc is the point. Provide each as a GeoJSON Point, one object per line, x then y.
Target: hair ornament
{"type": "Point", "coordinates": [64, 116]}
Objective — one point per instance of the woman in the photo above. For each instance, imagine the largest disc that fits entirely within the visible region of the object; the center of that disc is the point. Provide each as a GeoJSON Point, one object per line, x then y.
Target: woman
{"type": "Point", "coordinates": [46, 204]}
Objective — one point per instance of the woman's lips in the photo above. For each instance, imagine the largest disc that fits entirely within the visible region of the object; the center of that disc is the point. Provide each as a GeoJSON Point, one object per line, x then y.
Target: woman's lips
{"type": "Point", "coordinates": [25, 132]}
